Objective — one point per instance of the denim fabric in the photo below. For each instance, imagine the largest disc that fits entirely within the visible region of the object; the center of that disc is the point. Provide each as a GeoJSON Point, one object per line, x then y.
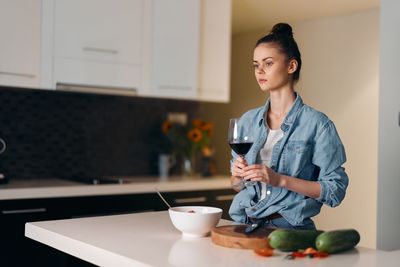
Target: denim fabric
{"type": "Point", "coordinates": [308, 224]}
{"type": "Point", "coordinates": [310, 149]}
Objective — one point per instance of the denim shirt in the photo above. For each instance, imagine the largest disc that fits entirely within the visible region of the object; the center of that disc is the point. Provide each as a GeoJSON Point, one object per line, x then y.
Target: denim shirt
{"type": "Point", "coordinates": [310, 149]}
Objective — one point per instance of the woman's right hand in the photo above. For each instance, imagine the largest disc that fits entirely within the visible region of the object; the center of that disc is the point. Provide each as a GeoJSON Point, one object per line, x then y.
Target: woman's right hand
{"type": "Point", "coordinates": [236, 170]}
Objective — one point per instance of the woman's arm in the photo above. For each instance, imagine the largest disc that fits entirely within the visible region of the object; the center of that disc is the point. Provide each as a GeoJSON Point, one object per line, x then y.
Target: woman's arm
{"type": "Point", "coordinates": [262, 173]}
{"type": "Point", "coordinates": [237, 183]}
{"type": "Point", "coordinates": [328, 156]}
{"type": "Point", "coordinates": [307, 188]}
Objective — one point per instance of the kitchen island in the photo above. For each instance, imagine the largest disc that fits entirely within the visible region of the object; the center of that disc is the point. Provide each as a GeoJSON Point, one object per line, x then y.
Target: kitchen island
{"type": "Point", "coordinates": [150, 239]}
{"type": "Point", "coordinates": [32, 200]}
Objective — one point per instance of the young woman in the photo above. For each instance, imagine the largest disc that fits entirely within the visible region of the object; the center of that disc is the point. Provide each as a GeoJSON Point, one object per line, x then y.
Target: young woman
{"type": "Point", "coordinates": [297, 156]}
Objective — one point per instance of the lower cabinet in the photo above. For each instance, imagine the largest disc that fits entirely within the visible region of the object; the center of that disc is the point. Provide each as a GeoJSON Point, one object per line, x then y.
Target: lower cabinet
{"type": "Point", "coordinates": [17, 250]}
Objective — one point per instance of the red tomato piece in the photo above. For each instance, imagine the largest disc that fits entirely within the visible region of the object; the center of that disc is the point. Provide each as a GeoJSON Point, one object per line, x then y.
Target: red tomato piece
{"type": "Point", "coordinates": [298, 254]}
{"type": "Point", "coordinates": [310, 251]}
{"type": "Point", "coordinates": [321, 254]}
{"type": "Point", "coordinates": [265, 252]}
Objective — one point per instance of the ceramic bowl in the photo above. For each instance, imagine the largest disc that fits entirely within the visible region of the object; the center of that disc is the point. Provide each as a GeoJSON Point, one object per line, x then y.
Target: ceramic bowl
{"type": "Point", "coordinates": [195, 221]}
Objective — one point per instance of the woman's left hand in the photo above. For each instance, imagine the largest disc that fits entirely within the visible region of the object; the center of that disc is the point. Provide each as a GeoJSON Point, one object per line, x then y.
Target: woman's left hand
{"type": "Point", "coordinates": [261, 173]}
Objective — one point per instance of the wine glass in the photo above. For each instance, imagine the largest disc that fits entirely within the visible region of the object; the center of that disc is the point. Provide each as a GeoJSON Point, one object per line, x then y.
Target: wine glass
{"type": "Point", "coordinates": [240, 140]}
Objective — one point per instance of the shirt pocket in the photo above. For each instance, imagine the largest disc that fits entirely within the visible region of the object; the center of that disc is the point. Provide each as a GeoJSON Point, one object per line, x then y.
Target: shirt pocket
{"type": "Point", "coordinates": [296, 156]}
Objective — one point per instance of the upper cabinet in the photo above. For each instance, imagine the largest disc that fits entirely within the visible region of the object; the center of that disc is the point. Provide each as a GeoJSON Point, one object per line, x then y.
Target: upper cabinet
{"type": "Point", "coordinates": [20, 42]}
{"type": "Point", "coordinates": [215, 51]}
{"type": "Point", "coordinates": [96, 43]}
{"type": "Point", "coordinates": [190, 56]}
{"type": "Point", "coordinates": [175, 48]}
{"type": "Point", "coordinates": [157, 48]}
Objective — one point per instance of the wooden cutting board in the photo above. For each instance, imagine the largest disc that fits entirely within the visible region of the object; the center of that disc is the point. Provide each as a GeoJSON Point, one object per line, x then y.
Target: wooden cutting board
{"type": "Point", "coordinates": [233, 236]}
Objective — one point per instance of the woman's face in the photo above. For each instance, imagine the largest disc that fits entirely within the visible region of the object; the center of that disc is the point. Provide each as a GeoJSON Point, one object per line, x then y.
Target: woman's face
{"type": "Point", "coordinates": [271, 67]}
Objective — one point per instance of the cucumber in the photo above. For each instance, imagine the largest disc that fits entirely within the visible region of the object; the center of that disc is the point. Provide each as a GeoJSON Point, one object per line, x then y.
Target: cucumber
{"type": "Point", "coordinates": [292, 239]}
{"type": "Point", "coordinates": [337, 241]}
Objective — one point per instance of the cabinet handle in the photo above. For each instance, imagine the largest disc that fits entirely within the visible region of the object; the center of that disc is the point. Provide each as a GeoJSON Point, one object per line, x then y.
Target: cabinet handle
{"type": "Point", "coordinates": [224, 197]}
{"type": "Point", "coordinates": [100, 50]}
{"type": "Point", "coordinates": [174, 87]}
{"type": "Point", "coordinates": [130, 91]}
{"type": "Point", "coordinates": [190, 200]}
{"type": "Point", "coordinates": [37, 210]}
{"type": "Point", "coordinates": [17, 74]}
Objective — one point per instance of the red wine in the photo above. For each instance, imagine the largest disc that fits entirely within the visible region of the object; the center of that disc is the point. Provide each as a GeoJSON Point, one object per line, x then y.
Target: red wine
{"type": "Point", "coordinates": [241, 148]}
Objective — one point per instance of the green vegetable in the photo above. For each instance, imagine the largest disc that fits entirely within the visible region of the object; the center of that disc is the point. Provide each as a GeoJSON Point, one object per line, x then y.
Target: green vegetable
{"type": "Point", "coordinates": [292, 239]}
{"type": "Point", "coordinates": [337, 241]}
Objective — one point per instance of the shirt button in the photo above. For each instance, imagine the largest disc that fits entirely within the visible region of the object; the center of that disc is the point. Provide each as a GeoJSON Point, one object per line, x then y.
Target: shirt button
{"type": "Point", "coordinates": [284, 127]}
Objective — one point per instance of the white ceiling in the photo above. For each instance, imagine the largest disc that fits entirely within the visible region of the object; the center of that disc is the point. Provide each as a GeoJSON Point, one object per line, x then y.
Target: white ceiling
{"type": "Point", "coordinates": [251, 15]}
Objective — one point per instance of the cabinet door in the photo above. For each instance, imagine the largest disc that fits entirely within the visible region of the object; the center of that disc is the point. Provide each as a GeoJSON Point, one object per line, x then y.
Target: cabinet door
{"type": "Point", "coordinates": [99, 43]}
{"type": "Point", "coordinates": [215, 53]}
{"type": "Point", "coordinates": [20, 42]}
{"type": "Point", "coordinates": [100, 30]}
{"type": "Point", "coordinates": [17, 250]}
{"type": "Point", "coordinates": [222, 199]}
{"type": "Point", "coordinates": [175, 48]}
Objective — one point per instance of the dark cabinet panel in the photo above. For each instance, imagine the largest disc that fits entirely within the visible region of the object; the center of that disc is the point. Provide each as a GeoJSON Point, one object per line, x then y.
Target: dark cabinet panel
{"type": "Point", "coordinates": [18, 250]}
{"type": "Point", "coordinates": [21, 251]}
{"type": "Point", "coordinates": [217, 198]}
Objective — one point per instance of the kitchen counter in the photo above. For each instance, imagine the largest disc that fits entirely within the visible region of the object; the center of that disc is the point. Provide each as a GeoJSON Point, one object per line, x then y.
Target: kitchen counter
{"type": "Point", "coordinates": [49, 188]}
{"type": "Point", "coordinates": [149, 239]}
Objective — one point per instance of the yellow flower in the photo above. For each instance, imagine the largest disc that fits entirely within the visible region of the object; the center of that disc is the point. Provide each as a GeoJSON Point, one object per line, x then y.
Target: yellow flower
{"type": "Point", "coordinates": [166, 126]}
{"type": "Point", "coordinates": [208, 128]}
{"type": "Point", "coordinates": [195, 135]}
{"type": "Point", "coordinates": [206, 151]}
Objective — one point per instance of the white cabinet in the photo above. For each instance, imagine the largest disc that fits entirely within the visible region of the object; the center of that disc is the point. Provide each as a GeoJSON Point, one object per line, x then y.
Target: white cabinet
{"type": "Point", "coordinates": [190, 56]}
{"type": "Point", "coordinates": [20, 42]}
{"type": "Point", "coordinates": [175, 48]}
{"type": "Point", "coordinates": [215, 52]}
{"type": "Point", "coordinates": [162, 48]}
{"type": "Point", "coordinates": [97, 42]}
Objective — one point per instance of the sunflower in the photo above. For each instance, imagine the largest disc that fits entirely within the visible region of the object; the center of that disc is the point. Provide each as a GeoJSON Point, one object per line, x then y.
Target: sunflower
{"type": "Point", "coordinates": [166, 126]}
{"type": "Point", "coordinates": [208, 128]}
{"type": "Point", "coordinates": [195, 135]}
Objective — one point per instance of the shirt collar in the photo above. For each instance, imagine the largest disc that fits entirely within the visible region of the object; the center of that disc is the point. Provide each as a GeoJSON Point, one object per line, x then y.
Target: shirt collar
{"type": "Point", "coordinates": [290, 117]}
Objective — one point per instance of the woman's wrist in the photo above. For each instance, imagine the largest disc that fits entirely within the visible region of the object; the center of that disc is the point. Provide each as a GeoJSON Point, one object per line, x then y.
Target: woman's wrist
{"type": "Point", "coordinates": [237, 183]}
{"type": "Point", "coordinates": [283, 180]}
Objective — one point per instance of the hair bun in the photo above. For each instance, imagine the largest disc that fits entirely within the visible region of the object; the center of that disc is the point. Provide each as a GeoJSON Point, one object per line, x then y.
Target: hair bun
{"type": "Point", "coordinates": [282, 29]}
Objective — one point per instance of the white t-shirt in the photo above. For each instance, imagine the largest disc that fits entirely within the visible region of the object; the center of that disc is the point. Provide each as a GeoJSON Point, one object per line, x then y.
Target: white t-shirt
{"type": "Point", "coordinates": [266, 153]}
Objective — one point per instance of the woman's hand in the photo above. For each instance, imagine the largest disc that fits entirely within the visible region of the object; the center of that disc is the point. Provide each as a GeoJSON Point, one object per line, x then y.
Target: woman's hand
{"type": "Point", "coordinates": [237, 169]}
{"type": "Point", "coordinates": [261, 173]}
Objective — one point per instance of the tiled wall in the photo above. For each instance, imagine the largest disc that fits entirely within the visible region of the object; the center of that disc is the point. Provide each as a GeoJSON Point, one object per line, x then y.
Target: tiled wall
{"type": "Point", "coordinates": [68, 135]}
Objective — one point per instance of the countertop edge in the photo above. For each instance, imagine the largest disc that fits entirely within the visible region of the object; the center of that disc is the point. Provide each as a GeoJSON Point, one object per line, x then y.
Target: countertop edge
{"type": "Point", "coordinates": [220, 182]}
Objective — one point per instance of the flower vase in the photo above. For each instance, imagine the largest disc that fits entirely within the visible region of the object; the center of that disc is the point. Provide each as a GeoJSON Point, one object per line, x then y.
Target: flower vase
{"type": "Point", "coordinates": [189, 166]}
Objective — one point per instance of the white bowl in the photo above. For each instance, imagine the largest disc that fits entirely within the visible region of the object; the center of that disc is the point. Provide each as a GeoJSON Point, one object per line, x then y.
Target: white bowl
{"type": "Point", "coordinates": [195, 221]}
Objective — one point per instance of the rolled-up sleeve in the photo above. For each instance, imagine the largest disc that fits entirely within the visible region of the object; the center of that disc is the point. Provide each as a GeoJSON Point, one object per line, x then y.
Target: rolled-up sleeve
{"type": "Point", "coordinates": [329, 156]}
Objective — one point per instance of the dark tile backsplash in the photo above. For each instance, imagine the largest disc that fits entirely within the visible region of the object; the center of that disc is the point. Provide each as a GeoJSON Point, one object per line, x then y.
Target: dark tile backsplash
{"type": "Point", "coordinates": [70, 135]}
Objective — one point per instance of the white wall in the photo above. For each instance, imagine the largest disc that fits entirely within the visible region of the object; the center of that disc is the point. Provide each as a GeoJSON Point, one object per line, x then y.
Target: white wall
{"type": "Point", "coordinates": [340, 78]}
{"type": "Point", "coordinates": [389, 132]}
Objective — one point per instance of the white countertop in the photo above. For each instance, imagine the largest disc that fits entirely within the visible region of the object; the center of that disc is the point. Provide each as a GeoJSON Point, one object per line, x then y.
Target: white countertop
{"type": "Point", "coordinates": [149, 239]}
{"type": "Point", "coordinates": [48, 188]}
